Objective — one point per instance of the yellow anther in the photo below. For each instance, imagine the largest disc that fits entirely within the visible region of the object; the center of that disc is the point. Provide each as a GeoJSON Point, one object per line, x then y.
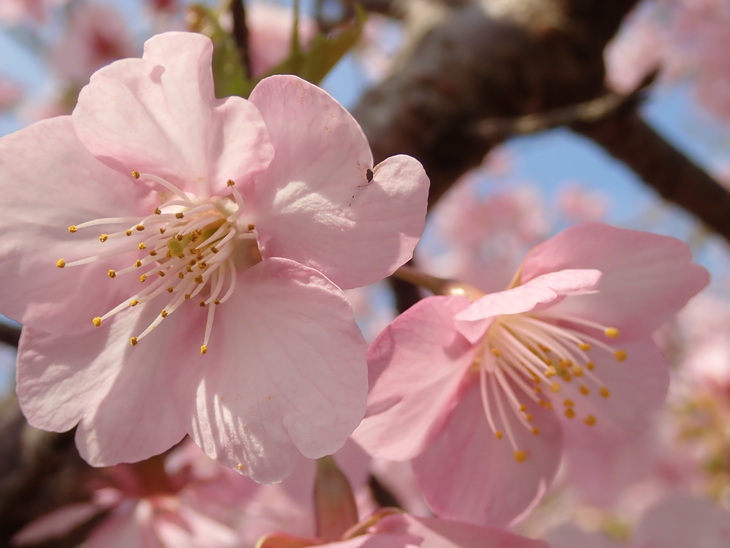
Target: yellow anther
{"type": "Point", "coordinates": [584, 346]}
{"type": "Point", "coordinates": [143, 277]}
{"type": "Point", "coordinates": [555, 387]}
{"type": "Point", "coordinates": [569, 403]}
{"type": "Point", "coordinates": [535, 430]}
{"type": "Point", "coordinates": [204, 349]}
{"type": "Point", "coordinates": [112, 273]}
{"type": "Point", "coordinates": [214, 249]}
{"type": "Point", "coordinates": [128, 232]}
{"type": "Point", "coordinates": [96, 321]}
{"type": "Point", "coordinates": [181, 275]}
{"type": "Point", "coordinates": [523, 407]}
{"type": "Point", "coordinates": [202, 304]}
{"type": "Point", "coordinates": [161, 273]}
{"type": "Point", "coordinates": [577, 370]}
{"type": "Point", "coordinates": [187, 296]}
{"type": "Point", "coordinates": [133, 341]}
{"type": "Point", "coordinates": [163, 230]}
{"type": "Point", "coordinates": [60, 263]}
{"type": "Point", "coordinates": [103, 238]}
{"type": "Point", "coordinates": [590, 420]}
{"type": "Point", "coordinates": [170, 289]}
{"type": "Point", "coordinates": [139, 227]}
{"type": "Point", "coordinates": [620, 355]}
{"type": "Point", "coordinates": [604, 392]}
{"type": "Point", "coordinates": [135, 174]}
{"type": "Point", "coordinates": [133, 302]}
{"type": "Point", "coordinates": [495, 352]}
{"type": "Point", "coordinates": [520, 456]}
{"type": "Point", "coordinates": [528, 417]}
{"type": "Point", "coordinates": [567, 377]}
{"type": "Point", "coordinates": [217, 301]}
{"type": "Point", "coordinates": [569, 413]}
{"type": "Point", "coordinates": [153, 253]}
{"type": "Point", "coordinates": [230, 182]}
{"type": "Point", "coordinates": [163, 313]}
{"type": "Point", "coordinates": [239, 466]}
{"type": "Point", "coordinates": [590, 366]}
{"type": "Point", "coordinates": [546, 404]}
{"type": "Point", "coordinates": [611, 332]}
{"type": "Point", "coordinates": [72, 229]}
{"type": "Point", "coordinates": [584, 390]}
{"type": "Point", "coordinates": [199, 279]}
{"type": "Point", "coordinates": [499, 434]}
{"type": "Point", "coordinates": [179, 215]}
{"type": "Point", "coordinates": [158, 211]}
{"type": "Point", "coordinates": [142, 245]}
{"type": "Point", "coordinates": [550, 372]}
{"type": "Point", "coordinates": [137, 263]}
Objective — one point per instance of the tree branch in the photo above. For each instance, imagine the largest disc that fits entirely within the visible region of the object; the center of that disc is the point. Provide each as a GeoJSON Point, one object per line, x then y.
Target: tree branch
{"type": "Point", "coordinates": [627, 137]}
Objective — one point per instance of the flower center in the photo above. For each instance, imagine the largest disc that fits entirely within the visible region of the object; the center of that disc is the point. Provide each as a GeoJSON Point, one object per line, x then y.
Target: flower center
{"type": "Point", "coordinates": [523, 353]}
{"type": "Point", "coordinates": [188, 248]}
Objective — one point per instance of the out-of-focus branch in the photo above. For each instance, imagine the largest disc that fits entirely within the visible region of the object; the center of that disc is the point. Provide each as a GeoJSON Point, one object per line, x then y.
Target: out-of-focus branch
{"type": "Point", "coordinates": [491, 59]}
{"type": "Point", "coordinates": [240, 35]}
{"type": "Point", "coordinates": [39, 472]}
{"type": "Point", "coordinates": [9, 334]}
{"type": "Point", "coordinates": [627, 137]}
{"type": "Point", "coordinates": [585, 113]}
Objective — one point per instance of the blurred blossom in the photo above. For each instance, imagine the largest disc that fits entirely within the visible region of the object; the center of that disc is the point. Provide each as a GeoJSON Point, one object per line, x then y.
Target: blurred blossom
{"type": "Point", "coordinates": [688, 39]}
{"type": "Point", "coordinates": [13, 12]}
{"type": "Point", "coordinates": [10, 94]}
{"type": "Point", "coordinates": [577, 204]}
{"type": "Point", "coordinates": [96, 35]}
{"type": "Point", "coordinates": [678, 521]}
{"type": "Point", "coordinates": [183, 500]}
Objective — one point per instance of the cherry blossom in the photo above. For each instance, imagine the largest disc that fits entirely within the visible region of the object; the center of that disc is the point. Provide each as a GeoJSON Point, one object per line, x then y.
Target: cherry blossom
{"type": "Point", "coordinates": [187, 257]}
{"type": "Point", "coordinates": [183, 499]}
{"type": "Point", "coordinates": [484, 393]}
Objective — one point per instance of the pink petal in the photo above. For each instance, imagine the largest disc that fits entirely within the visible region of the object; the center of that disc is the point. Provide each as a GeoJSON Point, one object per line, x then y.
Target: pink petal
{"type": "Point", "coordinates": [46, 199]}
{"type": "Point", "coordinates": [474, 321]}
{"type": "Point", "coordinates": [417, 365]}
{"type": "Point", "coordinates": [285, 374]}
{"type": "Point", "coordinates": [125, 528]}
{"type": "Point", "coordinates": [159, 115]}
{"type": "Point", "coordinates": [646, 277]}
{"type": "Point", "coordinates": [57, 523]}
{"type": "Point", "coordinates": [441, 533]}
{"type": "Point", "coordinates": [117, 393]}
{"type": "Point", "coordinates": [469, 475]}
{"type": "Point", "coordinates": [188, 528]}
{"type": "Point", "coordinates": [315, 204]}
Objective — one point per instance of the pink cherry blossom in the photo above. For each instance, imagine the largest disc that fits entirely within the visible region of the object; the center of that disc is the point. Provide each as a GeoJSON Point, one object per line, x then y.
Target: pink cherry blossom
{"type": "Point", "coordinates": [484, 396]}
{"type": "Point", "coordinates": [95, 35]}
{"type": "Point", "coordinates": [200, 241]}
{"type": "Point", "coordinates": [187, 501]}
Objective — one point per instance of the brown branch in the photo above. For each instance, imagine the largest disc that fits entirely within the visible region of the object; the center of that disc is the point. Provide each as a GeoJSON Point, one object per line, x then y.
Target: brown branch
{"type": "Point", "coordinates": [518, 58]}
{"type": "Point", "coordinates": [9, 334]}
{"type": "Point", "coordinates": [627, 137]}
{"type": "Point", "coordinates": [240, 35]}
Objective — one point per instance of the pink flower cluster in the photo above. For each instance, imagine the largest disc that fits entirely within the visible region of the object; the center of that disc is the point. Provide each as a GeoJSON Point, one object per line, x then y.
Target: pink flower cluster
{"type": "Point", "coordinates": [178, 262]}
